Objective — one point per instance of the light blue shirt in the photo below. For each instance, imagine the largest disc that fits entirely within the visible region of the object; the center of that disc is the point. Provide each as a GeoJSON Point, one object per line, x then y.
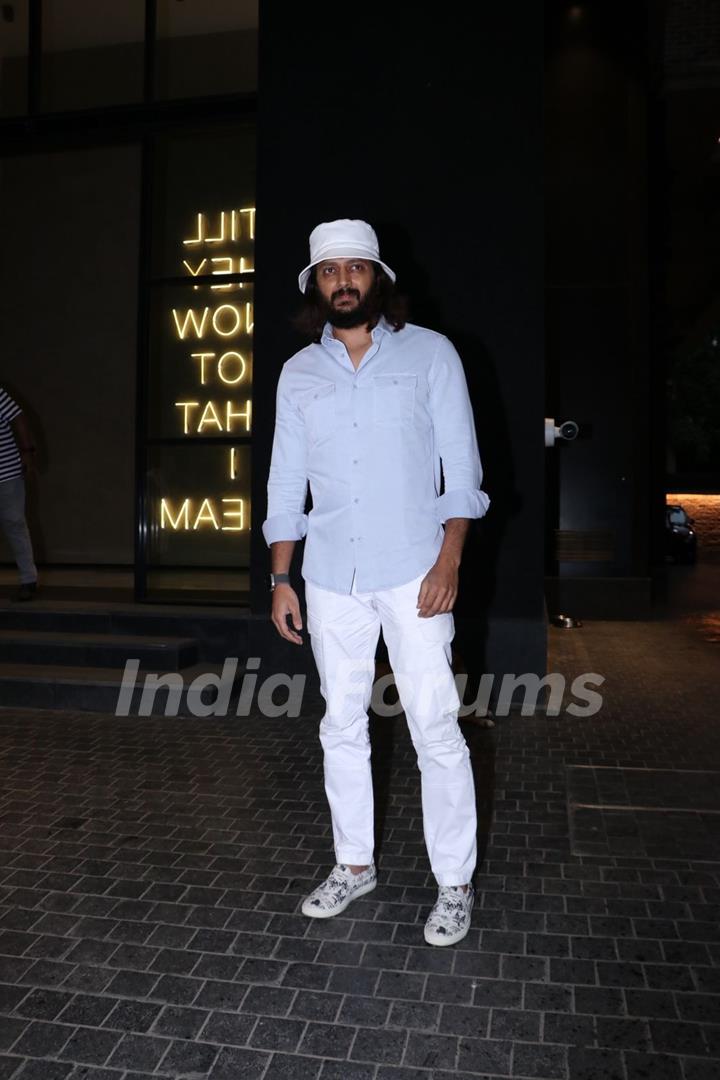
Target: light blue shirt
{"type": "Point", "coordinates": [371, 444]}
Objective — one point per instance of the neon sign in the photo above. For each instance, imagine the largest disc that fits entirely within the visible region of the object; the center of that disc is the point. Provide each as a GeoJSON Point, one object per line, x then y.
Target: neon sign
{"type": "Point", "coordinates": [221, 404]}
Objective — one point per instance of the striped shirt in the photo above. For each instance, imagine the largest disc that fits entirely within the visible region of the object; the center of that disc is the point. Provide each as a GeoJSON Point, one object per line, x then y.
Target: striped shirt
{"type": "Point", "coordinates": [10, 463]}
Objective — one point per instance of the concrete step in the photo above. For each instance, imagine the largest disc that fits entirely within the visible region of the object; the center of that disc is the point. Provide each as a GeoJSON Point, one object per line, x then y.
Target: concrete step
{"type": "Point", "coordinates": [97, 689]}
{"type": "Point", "coordinates": [96, 649]}
{"type": "Point", "coordinates": [217, 632]}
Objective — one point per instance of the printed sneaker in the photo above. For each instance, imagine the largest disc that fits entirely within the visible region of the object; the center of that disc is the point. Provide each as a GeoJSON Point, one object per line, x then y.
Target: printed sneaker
{"type": "Point", "coordinates": [449, 920]}
{"type": "Point", "coordinates": [337, 891]}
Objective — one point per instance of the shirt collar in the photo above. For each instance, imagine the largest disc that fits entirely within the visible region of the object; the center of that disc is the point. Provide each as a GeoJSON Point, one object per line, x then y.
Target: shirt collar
{"type": "Point", "coordinates": [383, 327]}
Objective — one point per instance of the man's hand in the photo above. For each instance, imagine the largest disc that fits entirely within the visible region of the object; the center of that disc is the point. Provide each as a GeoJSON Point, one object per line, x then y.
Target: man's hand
{"type": "Point", "coordinates": [285, 602]}
{"type": "Point", "coordinates": [439, 589]}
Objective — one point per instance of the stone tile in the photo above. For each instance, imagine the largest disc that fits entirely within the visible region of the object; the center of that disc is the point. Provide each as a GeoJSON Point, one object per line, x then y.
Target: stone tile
{"type": "Point", "coordinates": [41, 1070]}
{"type": "Point", "coordinates": [290, 1067]}
{"type": "Point", "coordinates": [620, 953]}
{"type": "Point", "coordinates": [188, 1058]}
{"type": "Point", "coordinates": [233, 1063]}
{"type": "Point", "coordinates": [428, 1051]}
{"type": "Point", "coordinates": [40, 1039]}
{"type": "Point", "coordinates": [91, 1045]}
{"type": "Point", "coordinates": [316, 1006]}
{"type": "Point", "coordinates": [484, 1056]}
{"type": "Point", "coordinates": [139, 1052]}
{"type": "Point", "coordinates": [137, 1016]}
{"type": "Point", "coordinates": [378, 1046]}
{"type": "Point", "coordinates": [276, 1033]}
{"type": "Point", "coordinates": [227, 1028]}
{"type": "Point", "coordinates": [179, 1022]}
{"type": "Point", "coordinates": [327, 1040]}
{"type": "Point", "coordinates": [43, 1004]}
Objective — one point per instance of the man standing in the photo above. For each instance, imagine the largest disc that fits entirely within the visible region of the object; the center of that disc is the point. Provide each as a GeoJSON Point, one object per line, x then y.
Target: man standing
{"type": "Point", "coordinates": [16, 459]}
{"type": "Point", "coordinates": [367, 414]}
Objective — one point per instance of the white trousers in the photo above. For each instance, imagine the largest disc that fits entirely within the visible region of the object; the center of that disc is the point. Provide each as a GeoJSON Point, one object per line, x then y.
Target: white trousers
{"type": "Point", "coordinates": [344, 631]}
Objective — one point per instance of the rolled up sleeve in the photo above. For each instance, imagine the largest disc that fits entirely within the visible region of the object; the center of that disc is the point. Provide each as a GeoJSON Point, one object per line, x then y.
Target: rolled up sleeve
{"type": "Point", "coordinates": [287, 480]}
{"type": "Point", "coordinates": [455, 438]}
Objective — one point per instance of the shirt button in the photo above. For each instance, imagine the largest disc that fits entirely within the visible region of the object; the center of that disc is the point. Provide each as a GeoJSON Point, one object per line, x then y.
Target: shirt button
{"type": "Point", "coordinates": [352, 538]}
{"type": "Point", "coordinates": [354, 423]}
{"type": "Point", "coordinates": [394, 381]}
{"type": "Point", "coordinates": [355, 461]}
{"type": "Point", "coordinates": [356, 500]}
{"type": "Point", "coordinates": [354, 387]}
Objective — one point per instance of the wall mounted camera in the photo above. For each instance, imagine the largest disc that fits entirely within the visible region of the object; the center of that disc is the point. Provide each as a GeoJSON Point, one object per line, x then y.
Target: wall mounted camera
{"type": "Point", "coordinates": [566, 432]}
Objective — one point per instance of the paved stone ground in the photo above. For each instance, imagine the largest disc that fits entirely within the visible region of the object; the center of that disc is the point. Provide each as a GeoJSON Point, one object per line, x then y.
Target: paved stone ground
{"type": "Point", "coordinates": [151, 872]}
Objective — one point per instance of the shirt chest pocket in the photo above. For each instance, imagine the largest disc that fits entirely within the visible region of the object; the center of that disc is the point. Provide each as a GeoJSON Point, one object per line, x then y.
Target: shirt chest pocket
{"type": "Point", "coordinates": [394, 398]}
{"type": "Point", "coordinates": [319, 410]}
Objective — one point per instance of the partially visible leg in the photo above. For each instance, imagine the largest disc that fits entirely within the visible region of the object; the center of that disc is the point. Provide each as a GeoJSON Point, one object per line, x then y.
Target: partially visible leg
{"type": "Point", "coordinates": [12, 519]}
{"type": "Point", "coordinates": [344, 631]}
{"type": "Point", "coordinates": [420, 655]}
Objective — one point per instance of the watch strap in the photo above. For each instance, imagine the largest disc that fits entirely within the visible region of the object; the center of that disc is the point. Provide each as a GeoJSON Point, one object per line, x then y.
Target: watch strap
{"type": "Point", "coordinates": [279, 579]}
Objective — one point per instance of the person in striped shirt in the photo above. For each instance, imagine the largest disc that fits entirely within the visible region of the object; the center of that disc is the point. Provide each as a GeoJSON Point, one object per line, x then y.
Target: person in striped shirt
{"type": "Point", "coordinates": [16, 461]}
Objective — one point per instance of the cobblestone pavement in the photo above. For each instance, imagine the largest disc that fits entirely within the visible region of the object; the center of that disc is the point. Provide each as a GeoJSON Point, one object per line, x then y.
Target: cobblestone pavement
{"type": "Point", "coordinates": [152, 869]}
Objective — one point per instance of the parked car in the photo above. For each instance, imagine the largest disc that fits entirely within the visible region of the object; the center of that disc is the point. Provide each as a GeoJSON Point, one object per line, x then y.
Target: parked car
{"type": "Point", "coordinates": [680, 537]}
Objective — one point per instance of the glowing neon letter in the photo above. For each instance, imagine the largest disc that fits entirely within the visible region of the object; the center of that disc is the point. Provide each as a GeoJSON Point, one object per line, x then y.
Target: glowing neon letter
{"type": "Point", "coordinates": [209, 416]}
{"type": "Point", "coordinates": [206, 515]}
{"type": "Point", "coordinates": [244, 415]}
{"type": "Point", "coordinates": [186, 405]}
{"type": "Point", "coordinates": [190, 317]}
{"type": "Point", "coordinates": [180, 521]}
{"type": "Point", "coordinates": [238, 514]}
{"type": "Point", "coordinates": [241, 374]}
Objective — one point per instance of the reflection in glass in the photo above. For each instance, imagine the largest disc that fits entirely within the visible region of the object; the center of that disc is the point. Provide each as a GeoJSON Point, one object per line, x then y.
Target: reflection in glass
{"type": "Point", "coordinates": [200, 377]}
{"type": "Point", "coordinates": [204, 200]}
{"type": "Point", "coordinates": [198, 506]}
{"type": "Point", "coordinates": [13, 59]}
{"type": "Point", "coordinates": [92, 54]}
{"type": "Point", "coordinates": [206, 48]}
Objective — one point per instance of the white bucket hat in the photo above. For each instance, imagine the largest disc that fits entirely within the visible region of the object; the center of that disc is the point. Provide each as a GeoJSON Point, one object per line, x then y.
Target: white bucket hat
{"type": "Point", "coordinates": [346, 238]}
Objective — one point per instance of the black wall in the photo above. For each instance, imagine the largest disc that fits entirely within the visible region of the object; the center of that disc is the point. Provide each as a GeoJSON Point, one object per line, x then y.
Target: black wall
{"type": "Point", "coordinates": [430, 128]}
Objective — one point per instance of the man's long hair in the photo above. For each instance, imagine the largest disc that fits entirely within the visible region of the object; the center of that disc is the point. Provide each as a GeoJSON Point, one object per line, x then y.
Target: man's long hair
{"type": "Point", "coordinates": [382, 299]}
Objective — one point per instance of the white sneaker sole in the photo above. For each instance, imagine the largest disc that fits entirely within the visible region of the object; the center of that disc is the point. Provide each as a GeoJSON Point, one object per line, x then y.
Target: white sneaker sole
{"type": "Point", "coordinates": [445, 939]}
{"type": "Point", "coordinates": [318, 913]}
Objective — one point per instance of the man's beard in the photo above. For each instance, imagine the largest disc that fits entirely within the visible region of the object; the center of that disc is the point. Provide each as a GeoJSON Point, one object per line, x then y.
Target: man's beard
{"type": "Point", "coordinates": [364, 312]}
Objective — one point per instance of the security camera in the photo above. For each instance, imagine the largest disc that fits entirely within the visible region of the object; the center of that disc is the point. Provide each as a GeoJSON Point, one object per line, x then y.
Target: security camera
{"type": "Point", "coordinates": [566, 431]}
{"type": "Point", "coordinates": [569, 430]}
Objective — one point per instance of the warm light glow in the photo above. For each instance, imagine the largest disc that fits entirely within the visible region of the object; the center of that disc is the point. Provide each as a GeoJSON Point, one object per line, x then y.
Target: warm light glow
{"type": "Point", "coordinates": [202, 357]}
{"type": "Point", "coordinates": [192, 319]}
{"type": "Point", "coordinates": [236, 356]}
{"type": "Point", "coordinates": [224, 368]}
{"type": "Point", "coordinates": [221, 238]}
{"type": "Point", "coordinates": [244, 414]}
{"type": "Point", "coordinates": [224, 515]}
{"type": "Point", "coordinates": [206, 515]}
{"type": "Point", "coordinates": [228, 225]}
{"type": "Point", "coordinates": [238, 514]}
{"type": "Point", "coordinates": [212, 416]}
{"type": "Point", "coordinates": [186, 405]}
{"type": "Point", "coordinates": [704, 509]}
{"type": "Point", "coordinates": [208, 418]}
{"type": "Point", "coordinates": [226, 320]}
{"type": "Point", "coordinates": [180, 521]}
{"type": "Point", "coordinates": [235, 320]}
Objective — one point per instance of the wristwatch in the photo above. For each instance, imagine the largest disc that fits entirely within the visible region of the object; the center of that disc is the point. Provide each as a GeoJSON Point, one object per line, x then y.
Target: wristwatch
{"type": "Point", "coordinates": [278, 579]}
